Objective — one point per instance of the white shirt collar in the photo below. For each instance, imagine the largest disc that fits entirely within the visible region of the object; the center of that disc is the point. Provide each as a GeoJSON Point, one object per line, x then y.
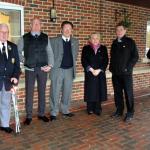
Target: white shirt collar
{"type": "Point", "coordinates": [64, 38]}
{"type": "Point", "coordinates": [35, 33]}
{"type": "Point", "coordinates": [5, 44]}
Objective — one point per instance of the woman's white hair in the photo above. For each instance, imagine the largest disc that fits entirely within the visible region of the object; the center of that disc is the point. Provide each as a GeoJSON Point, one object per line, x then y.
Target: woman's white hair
{"type": "Point", "coordinates": [95, 33]}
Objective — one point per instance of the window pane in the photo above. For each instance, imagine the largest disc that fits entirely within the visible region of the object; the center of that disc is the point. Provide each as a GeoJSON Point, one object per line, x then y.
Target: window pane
{"type": "Point", "coordinates": [148, 36]}
{"type": "Point", "coordinates": [13, 19]}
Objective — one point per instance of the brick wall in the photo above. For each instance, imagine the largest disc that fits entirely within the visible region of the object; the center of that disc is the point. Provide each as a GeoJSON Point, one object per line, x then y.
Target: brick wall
{"type": "Point", "coordinates": [138, 16]}
{"type": "Point", "coordinates": [87, 16]}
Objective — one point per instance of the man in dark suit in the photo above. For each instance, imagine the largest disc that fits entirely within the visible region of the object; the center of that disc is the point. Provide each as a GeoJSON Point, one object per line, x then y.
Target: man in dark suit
{"type": "Point", "coordinates": [65, 49]}
{"type": "Point", "coordinates": [38, 60]}
{"type": "Point", "coordinates": [9, 74]}
{"type": "Point", "coordinates": [124, 55]}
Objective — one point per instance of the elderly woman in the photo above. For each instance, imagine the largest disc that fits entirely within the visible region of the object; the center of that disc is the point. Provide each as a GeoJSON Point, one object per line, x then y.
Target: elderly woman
{"type": "Point", "coordinates": [94, 61]}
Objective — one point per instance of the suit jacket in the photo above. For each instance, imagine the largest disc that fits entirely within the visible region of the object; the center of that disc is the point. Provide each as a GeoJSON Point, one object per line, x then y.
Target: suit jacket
{"type": "Point", "coordinates": [57, 47]}
{"type": "Point", "coordinates": [11, 68]}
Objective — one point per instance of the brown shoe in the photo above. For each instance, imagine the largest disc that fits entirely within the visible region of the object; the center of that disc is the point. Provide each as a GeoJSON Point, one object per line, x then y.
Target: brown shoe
{"type": "Point", "coordinates": [28, 121]}
{"type": "Point", "coordinates": [68, 115]}
{"type": "Point", "coordinates": [43, 118]}
{"type": "Point", "coordinates": [52, 118]}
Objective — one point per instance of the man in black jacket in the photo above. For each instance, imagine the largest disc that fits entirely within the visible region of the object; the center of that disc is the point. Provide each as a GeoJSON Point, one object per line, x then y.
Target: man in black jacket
{"type": "Point", "coordinates": [124, 55]}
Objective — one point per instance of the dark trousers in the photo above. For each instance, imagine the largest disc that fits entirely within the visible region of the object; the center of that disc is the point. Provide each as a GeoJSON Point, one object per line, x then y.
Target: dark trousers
{"type": "Point", "coordinates": [123, 83]}
{"type": "Point", "coordinates": [30, 77]}
{"type": "Point", "coordinates": [94, 107]}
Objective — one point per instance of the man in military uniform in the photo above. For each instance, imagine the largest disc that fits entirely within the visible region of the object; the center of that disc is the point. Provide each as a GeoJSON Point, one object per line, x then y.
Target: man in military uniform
{"type": "Point", "coordinates": [9, 75]}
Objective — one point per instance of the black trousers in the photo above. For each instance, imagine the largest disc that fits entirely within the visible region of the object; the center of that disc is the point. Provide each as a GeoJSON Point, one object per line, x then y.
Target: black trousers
{"type": "Point", "coordinates": [94, 107]}
{"type": "Point", "coordinates": [123, 85]}
{"type": "Point", "coordinates": [30, 77]}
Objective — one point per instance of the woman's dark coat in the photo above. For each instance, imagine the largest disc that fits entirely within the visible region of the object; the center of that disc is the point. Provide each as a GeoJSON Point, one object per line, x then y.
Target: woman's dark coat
{"type": "Point", "coordinates": [95, 88]}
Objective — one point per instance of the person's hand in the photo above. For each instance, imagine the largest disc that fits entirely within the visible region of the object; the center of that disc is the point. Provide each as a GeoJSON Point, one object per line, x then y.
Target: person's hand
{"type": "Point", "coordinates": [96, 72]}
{"type": "Point", "coordinates": [46, 68]}
{"type": "Point", "coordinates": [92, 70]}
{"type": "Point", "coordinates": [14, 80]}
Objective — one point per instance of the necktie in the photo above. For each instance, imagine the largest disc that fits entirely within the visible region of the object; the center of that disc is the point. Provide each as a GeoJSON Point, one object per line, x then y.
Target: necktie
{"type": "Point", "coordinates": [36, 36]}
{"type": "Point", "coordinates": [67, 40]}
{"type": "Point", "coordinates": [4, 52]}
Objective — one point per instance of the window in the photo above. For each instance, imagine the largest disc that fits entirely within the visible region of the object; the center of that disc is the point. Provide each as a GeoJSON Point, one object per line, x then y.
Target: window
{"type": "Point", "coordinates": [13, 15]}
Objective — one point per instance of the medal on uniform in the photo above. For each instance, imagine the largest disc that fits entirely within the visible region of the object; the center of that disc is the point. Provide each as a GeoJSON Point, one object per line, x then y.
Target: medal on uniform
{"type": "Point", "coordinates": [9, 47]}
{"type": "Point", "coordinates": [13, 60]}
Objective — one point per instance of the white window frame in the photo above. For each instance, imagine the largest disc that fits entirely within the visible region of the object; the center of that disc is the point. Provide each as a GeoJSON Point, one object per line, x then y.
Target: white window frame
{"type": "Point", "coordinates": [11, 6]}
{"type": "Point", "coordinates": [145, 59]}
{"type": "Point", "coordinates": [147, 29]}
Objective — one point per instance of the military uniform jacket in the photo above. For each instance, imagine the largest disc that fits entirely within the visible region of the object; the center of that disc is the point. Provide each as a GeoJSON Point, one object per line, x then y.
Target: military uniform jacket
{"type": "Point", "coordinates": [9, 68]}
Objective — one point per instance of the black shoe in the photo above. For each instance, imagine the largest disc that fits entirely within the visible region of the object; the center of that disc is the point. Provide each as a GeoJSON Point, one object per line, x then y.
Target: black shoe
{"type": "Point", "coordinates": [116, 115]}
{"type": "Point", "coordinates": [89, 112]}
{"type": "Point", "coordinates": [52, 118]}
{"type": "Point", "coordinates": [43, 118]}
{"type": "Point", "coordinates": [98, 112]}
{"type": "Point", "coordinates": [68, 115]}
{"type": "Point", "coordinates": [6, 129]}
{"type": "Point", "coordinates": [128, 117]}
{"type": "Point", "coordinates": [27, 121]}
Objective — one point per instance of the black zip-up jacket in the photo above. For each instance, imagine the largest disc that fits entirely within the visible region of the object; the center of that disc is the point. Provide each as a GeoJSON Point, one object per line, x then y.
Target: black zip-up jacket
{"type": "Point", "coordinates": [124, 56]}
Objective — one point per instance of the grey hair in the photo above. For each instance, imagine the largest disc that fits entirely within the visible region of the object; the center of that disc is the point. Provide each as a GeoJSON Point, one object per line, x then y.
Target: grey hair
{"type": "Point", "coordinates": [35, 18]}
{"type": "Point", "coordinates": [95, 33]}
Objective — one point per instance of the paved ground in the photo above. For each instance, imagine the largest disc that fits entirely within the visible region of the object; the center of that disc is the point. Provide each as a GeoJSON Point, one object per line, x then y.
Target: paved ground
{"type": "Point", "coordinates": [84, 132]}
